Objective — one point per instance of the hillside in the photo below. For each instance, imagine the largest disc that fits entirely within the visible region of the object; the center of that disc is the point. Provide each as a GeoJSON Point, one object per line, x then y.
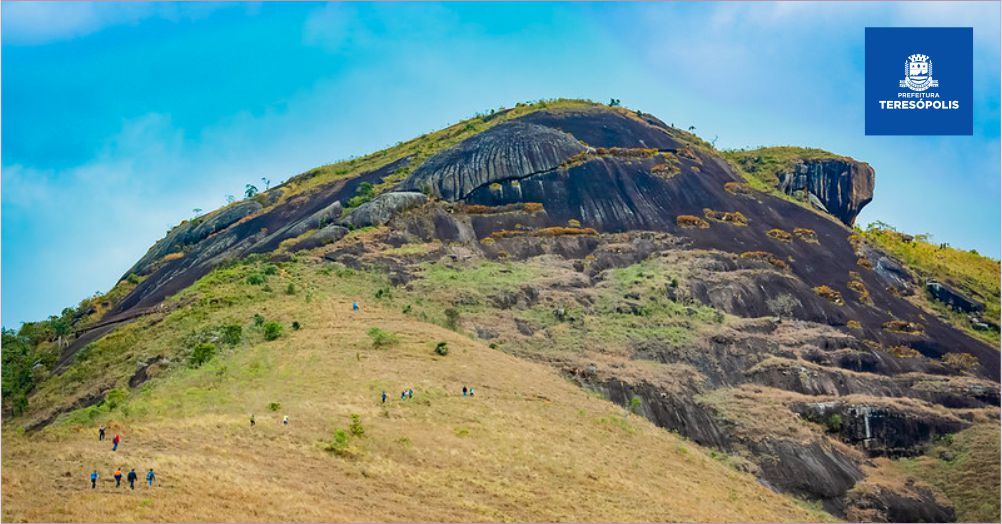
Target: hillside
{"type": "Point", "coordinates": [593, 256]}
{"type": "Point", "coordinates": [528, 446]}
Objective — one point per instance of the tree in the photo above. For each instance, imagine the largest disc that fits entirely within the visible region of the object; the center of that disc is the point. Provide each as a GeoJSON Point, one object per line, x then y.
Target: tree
{"type": "Point", "coordinates": [614, 102]}
{"type": "Point", "coordinates": [230, 199]}
{"type": "Point", "coordinates": [197, 211]}
{"type": "Point", "coordinates": [266, 182]}
{"type": "Point", "coordinates": [18, 377]}
{"type": "Point", "coordinates": [692, 128]}
{"type": "Point", "coordinates": [250, 191]}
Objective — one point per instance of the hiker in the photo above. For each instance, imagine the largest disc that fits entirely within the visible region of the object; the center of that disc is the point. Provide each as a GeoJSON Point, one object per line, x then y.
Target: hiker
{"type": "Point", "coordinates": [285, 420]}
{"type": "Point", "coordinates": [471, 392]}
{"type": "Point", "coordinates": [252, 421]}
{"type": "Point", "coordinates": [93, 479]}
{"type": "Point", "coordinates": [118, 477]}
{"type": "Point", "coordinates": [132, 478]}
{"type": "Point", "coordinates": [150, 477]}
{"type": "Point", "coordinates": [114, 443]}
{"type": "Point", "coordinates": [403, 395]}
{"type": "Point", "coordinates": [100, 433]}
{"type": "Point", "coordinates": [410, 393]}
{"type": "Point", "coordinates": [464, 391]}
{"type": "Point", "coordinates": [384, 397]}
{"type": "Point", "coordinates": [354, 306]}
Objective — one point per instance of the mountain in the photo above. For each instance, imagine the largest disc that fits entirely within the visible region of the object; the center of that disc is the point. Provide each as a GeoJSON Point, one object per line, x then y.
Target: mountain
{"type": "Point", "coordinates": [585, 251]}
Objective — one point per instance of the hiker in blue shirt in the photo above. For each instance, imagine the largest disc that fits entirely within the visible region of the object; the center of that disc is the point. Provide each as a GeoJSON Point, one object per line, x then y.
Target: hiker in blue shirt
{"type": "Point", "coordinates": [150, 477]}
{"type": "Point", "coordinates": [354, 306]}
{"type": "Point", "coordinates": [384, 397]}
{"type": "Point", "coordinates": [93, 479]}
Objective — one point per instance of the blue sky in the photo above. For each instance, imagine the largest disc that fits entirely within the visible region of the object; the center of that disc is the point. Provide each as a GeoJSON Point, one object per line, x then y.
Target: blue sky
{"type": "Point", "coordinates": [119, 119]}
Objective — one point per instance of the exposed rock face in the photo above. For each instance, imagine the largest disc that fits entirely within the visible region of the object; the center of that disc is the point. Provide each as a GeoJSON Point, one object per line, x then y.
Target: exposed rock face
{"type": "Point", "coordinates": [382, 208]}
{"type": "Point", "coordinates": [842, 187]}
{"type": "Point", "coordinates": [507, 151]}
{"type": "Point", "coordinates": [953, 298]}
{"type": "Point", "coordinates": [876, 503]}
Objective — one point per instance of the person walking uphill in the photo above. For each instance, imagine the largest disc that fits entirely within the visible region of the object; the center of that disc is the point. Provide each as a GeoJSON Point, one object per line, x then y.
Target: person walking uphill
{"type": "Point", "coordinates": [118, 477]}
{"type": "Point", "coordinates": [132, 478]}
{"type": "Point", "coordinates": [384, 397]}
{"type": "Point", "coordinates": [150, 477]}
{"type": "Point", "coordinates": [115, 441]}
{"type": "Point", "coordinates": [100, 433]}
{"type": "Point", "coordinates": [93, 479]}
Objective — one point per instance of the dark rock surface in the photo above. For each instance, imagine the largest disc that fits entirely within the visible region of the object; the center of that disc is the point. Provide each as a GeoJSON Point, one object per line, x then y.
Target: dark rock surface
{"type": "Point", "coordinates": [506, 152]}
{"type": "Point", "coordinates": [381, 209]}
{"type": "Point", "coordinates": [842, 187]}
{"type": "Point", "coordinates": [953, 298]}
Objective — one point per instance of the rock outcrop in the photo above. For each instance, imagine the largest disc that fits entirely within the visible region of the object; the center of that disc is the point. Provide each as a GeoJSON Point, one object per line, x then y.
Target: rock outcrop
{"type": "Point", "coordinates": [840, 187]}
{"type": "Point", "coordinates": [382, 208]}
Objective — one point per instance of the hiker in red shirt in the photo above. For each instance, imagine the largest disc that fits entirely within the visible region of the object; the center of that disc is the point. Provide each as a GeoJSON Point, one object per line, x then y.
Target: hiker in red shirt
{"type": "Point", "coordinates": [114, 443]}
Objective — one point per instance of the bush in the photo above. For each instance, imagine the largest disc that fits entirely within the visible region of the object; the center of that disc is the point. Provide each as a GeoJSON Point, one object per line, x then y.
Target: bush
{"type": "Point", "coordinates": [691, 221]}
{"type": "Point", "coordinates": [452, 318]}
{"type": "Point", "coordinates": [834, 423]}
{"type": "Point", "coordinates": [339, 444]}
{"type": "Point", "coordinates": [256, 279]}
{"type": "Point", "coordinates": [296, 325]}
{"type": "Point", "coordinates": [574, 222]}
{"type": "Point", "coordinates": [258, 319]}
{"type": "Point", "coordinates": [290, 289]}
{"type": "Point", "coordinates": [231, 334]}
{"type": "Point", "coordinates": [383, 292]}
{"type": "Point", "coordinates": [807, 235]}
{"type": "Point", "coordinates": [902, 326]}
{"type": "Point", "coordinates": [272, 330]}
{"type": "Point", "coordinates": [442, 349]}
{"type": "Point", "coordinates": [382, 339]}
{"type": "Point", "coordinates": [356, 428]}
{"type": "Point", "coordinates": [829, 293]}
{"type": "Point", "coordinates": [729, 217]}
{"type": "Point", "coordinates": [274, 406]}
{"type": "Point", "coordinates": [779, 234]}
{"type": "Point", "coordinates": [766, 256]}
{"type": "Point", "coordinates": [202, 353]}
{"type": "Point", "coordinates": [635, 403]}
{"type": "Point", "coordinates": [270, 269]}
{"type": "Point", "coordinates": [961, 361]}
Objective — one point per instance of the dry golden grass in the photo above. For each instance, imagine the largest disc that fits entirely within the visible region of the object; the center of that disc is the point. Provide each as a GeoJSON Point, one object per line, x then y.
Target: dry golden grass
{"type": "Point", "coordinates": [529, 446]}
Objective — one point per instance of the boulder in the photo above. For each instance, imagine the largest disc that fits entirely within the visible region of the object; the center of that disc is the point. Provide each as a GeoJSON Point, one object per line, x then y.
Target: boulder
{"type": "Point", "coordinates": [841, 186]}
{"type": "Point", "coordinates": [953, 298]}
{"type": "Point", "coordinates": [381, 209]}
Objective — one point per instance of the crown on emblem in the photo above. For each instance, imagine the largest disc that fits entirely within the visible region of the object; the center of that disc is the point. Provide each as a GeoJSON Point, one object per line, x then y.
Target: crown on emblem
{"type": "Point", "coordinates": [918, 58]}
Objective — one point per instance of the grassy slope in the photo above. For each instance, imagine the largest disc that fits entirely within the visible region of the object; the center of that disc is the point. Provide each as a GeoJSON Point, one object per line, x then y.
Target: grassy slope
{"type": "Point", "coordinates": [530, 446]}
{"type": "Point", "coordinates": [971, 478]}
{"type": "Point", "coordinates": [761, 166]}
{"type": "Point", "coordinates": [971, 273]}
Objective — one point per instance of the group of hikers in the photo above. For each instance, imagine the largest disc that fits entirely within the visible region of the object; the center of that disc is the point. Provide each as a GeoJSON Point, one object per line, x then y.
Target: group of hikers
{"type": "Point", "coordinates": [131, 477]}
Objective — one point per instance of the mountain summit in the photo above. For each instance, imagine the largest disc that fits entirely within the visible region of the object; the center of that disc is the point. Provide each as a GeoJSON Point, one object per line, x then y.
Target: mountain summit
{"type": "Point", "coordinates": [725, 296]}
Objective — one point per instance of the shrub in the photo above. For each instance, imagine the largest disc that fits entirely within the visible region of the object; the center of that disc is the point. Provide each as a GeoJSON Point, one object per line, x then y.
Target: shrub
{"type": "Point", "coordinates": [258, 319]}
{"type": "Point", "coordinates": [255, 279]}
{"type": "Point", "coordinates": [290, 289]}
{"type": "Point", "coordinates": [853, 324]}
{"type": "Point", "coordinates": [272, 330]}
{"type": "Point", "coordinates": [830, 294]}
{"type": "Point", "coordinates": [766, 256]}
{"type": "Point", "coordinates": [133, 279]}
{"type": "Point", "coordinates": [296, 325]}
{"type": "Point", "coordinates": [561, 231]}
{"type": "Point", "coordinates": [691, 221]}
{"type": "Point", "coordinates": [231, 334]}
{"type": "Point", "coordinates": [834, 423]}
{"type": "Point", "coordinates": [807, 235]}
{"type": "Point", "coordinates": [532, 207]}
{"type": "Point", "coordinates": [339, 444]}
{"type": "Point", "coordinates": [961, 361]}
{"type": "Point", "coordinates": [274, 406]}
{"type": "Point", "coordinates": [902, 326]}
{"type": "Point", "coordinates": [382, 339]}
{"type": "Point", "coordinates": [270, 269]}
{"type": "Point", "coordinates": [488, 241]}
{"type": "Point", "coordinates": [202, 353]}
{"type": "Point", "coordinates": [782, 305]}
{"type": "Point", "coordinates": [859, 288]}
{"type": "Point", "coordinates": [864, 262]}
{"type": "Point", "coordinates": [738, 188]}
{"type": "Point", "coordinates": [780, 235]}
{"type": "Point", "coordinates": [383, 292]}
{"type": "Point", "coordinates": [904, 352]}
{"type": "Point", "coordinates": [666, 169]}
{"type": "Point", "coordinates": [574, 222]}
{"type": "Point", "coordinates": [355, 427]}
{"type": "Point", "coordinates": [442, 349]}
{"type": "Point", "coordinates": [495, 187]}
{"type": "Point", "coordinates": [730, 217]}
{"type": "Point", "coordinates": [451, 318]}
{"type": "Point", "coordinates": [173, 256]}
{"type": "Point", "coordinates": [635, 403]}
{"type": "Point", "coordinates": [407, 309]}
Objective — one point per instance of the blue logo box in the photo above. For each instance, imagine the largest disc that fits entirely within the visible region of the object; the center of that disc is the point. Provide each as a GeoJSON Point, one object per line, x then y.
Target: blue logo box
{"type": "Point", "coordinates": [919, 80]}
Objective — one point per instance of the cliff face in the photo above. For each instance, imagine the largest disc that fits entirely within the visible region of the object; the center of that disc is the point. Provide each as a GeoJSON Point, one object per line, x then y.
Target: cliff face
{"type": "Point", "coordinates": [782, 313]}
{"type": "Point", "coordinates": [839, 187]}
